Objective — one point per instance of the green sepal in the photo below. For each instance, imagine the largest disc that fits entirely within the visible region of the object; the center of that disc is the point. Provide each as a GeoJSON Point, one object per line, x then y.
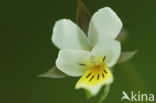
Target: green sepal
{"type": "Point", "coordinates": [53, 73]}
{"type": "Point", "coordinates": [122, 37]}
{"type": "Point", "coordinates": [125, 56]}
{"type": "Point", "coordinates": [83, 17]}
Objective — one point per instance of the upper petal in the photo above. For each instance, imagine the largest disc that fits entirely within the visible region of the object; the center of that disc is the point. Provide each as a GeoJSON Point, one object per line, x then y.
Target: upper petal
{"type": "Point", "coordinates": [73, 62]}
{"type": "Point", "coordinates": [104, 24]}
{"type": "Point", "coordinates": [67, 35]}
{"type": "Point", "coordinates": [108, 48]}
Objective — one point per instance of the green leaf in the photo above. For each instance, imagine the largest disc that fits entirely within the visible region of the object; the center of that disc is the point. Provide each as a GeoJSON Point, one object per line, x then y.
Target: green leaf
{"type": "Point", "coordinates": [105, 93]}
{"type": "Point", "coordinates": [83, 17]}
{"type": "Point", "coordinates": [125, 56]}
{"type": "Point", "coordinates": [53, 73]}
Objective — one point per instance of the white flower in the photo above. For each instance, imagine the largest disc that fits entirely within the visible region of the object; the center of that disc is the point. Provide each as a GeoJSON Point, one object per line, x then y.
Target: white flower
{"type": "Point", "coordinates": [92, 56]}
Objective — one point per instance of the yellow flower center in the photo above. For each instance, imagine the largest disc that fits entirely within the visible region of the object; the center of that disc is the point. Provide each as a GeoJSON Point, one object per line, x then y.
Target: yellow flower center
{"type": "Point", "coordinates": [98, 73]}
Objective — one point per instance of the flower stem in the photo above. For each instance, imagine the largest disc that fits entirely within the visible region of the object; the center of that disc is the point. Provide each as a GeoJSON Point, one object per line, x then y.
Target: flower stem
{"type": "Point", "coordinates": [105, 93]}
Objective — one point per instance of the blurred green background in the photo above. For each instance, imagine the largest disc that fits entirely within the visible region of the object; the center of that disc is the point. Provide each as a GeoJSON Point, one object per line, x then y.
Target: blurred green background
{"type": "Point", "coordinates": [27, 51]}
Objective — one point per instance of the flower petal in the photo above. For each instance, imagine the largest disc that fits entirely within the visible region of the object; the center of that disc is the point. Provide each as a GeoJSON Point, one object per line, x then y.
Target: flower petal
{"type": "Point", "coordinates": [94, 78]}
{"type": "Point", "coordinates": [73, 62]}
{"type": "Point", "coordinates": [110, 49]}
{"type": "Point", "coordinates": [67, 35]}
{"type": "Point", "coordinates": [104, 24]}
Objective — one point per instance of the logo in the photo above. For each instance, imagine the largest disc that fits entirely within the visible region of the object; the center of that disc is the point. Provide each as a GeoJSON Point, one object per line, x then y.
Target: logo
{"type": "Point", "coordinates": [137, 96]}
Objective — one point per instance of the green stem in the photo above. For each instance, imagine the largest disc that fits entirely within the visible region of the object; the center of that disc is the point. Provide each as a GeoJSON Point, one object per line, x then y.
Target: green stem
{"type": "Point", "coordinates": [105, 93]}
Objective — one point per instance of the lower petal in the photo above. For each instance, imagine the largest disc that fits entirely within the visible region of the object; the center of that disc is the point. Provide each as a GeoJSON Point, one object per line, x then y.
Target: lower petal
{"type": "Point", "coordinates": [94, 78]}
